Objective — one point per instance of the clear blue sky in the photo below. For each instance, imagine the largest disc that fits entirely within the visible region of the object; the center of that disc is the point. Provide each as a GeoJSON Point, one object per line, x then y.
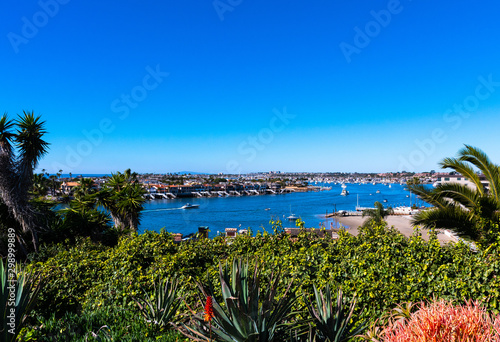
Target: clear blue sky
{"type": "Point", "coordinates": [167, 86]}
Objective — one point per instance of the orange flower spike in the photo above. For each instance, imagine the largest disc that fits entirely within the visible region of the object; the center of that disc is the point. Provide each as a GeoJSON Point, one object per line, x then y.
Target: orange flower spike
{"type": "Point", "coordinates": [209, 310]}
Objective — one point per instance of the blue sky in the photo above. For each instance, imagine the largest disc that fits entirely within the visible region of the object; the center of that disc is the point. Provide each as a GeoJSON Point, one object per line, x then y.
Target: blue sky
{"type": "Point", "coordinates": [242, 86]}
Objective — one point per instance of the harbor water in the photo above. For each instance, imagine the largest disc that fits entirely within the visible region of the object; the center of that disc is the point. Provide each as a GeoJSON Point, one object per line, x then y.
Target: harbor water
{"type": "Point", "coordinates": [255, 212]}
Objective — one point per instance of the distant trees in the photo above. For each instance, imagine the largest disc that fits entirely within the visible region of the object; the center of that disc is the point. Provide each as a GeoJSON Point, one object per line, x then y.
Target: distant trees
{"type": "Point", "coordinates": [413, 181]}
{"type": "Point", "coordinates": [40, 185]}
{"type": "Point", "coordinates": [21, 147]}
{"type": "Point", "coordinates": [217, 180]}
{"type": "Point", "coordinates": [472, 213]}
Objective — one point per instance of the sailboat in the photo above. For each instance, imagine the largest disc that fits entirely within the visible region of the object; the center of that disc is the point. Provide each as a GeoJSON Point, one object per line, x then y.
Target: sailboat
{"type": "Point", "coordinates": [292, 216]}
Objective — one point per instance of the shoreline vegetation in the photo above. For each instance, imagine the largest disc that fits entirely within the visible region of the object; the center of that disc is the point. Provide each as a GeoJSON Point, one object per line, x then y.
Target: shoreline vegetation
{"type": "Point", "coordinates": [81, 274]}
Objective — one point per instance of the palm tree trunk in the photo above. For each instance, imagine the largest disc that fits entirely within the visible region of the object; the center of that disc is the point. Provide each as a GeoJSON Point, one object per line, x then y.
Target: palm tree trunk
{"type": "Point", "coordinates": [133, 221]}
{"type": "Point", "coordinates": [119, 221]}
{"type": "Point", "coordinates": [16, 202]}
{"type": "Point", "coordinates": [24, 214]}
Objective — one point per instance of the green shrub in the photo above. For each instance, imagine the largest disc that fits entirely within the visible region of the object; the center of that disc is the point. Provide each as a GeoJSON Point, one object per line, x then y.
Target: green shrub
{"type": "Point", "coordinates": [380, 265]}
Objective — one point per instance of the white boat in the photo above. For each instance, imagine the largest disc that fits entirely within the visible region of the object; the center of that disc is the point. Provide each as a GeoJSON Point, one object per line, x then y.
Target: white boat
{"type": "Point", "coordinates": [378, 192]}
{"type": "Point", "coordinates": [344, 190]}
{"type": "Point", "coordinates": [292, 217]}
{"type": "Point", "coordinates": [190, 206]}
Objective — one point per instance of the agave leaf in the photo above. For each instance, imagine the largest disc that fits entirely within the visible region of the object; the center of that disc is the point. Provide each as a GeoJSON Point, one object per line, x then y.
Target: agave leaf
{"type": "Point", "coordinates": [27, 286]}
{"type": "Point", "coordinates": [249, 314]}
{"type": "Point", "coordinates": [163, 308]}
{"type": "Point", "coordinates": [333, 323]}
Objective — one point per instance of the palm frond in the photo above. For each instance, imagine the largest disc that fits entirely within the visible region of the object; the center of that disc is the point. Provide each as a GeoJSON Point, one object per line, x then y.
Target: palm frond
{"type": "Point", "coordinates": [31, 146]}
{"type": "Point", "coordinates": [428, 195]}
{"type": "Point", "coordinates": [459, 193]}
{"type": "Point", "coordinates": [479, 159]}
{"type": "Point", "coordinates": [452, 217]}
{"type": "Point", "coordinates": [464, 169]}
{"type": "Point", "coordinates": [6, 135]}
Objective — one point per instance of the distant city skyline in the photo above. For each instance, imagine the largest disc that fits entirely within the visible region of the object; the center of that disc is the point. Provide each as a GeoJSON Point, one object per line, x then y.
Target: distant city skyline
{"type": "Point", "coordinates": [239, 87]}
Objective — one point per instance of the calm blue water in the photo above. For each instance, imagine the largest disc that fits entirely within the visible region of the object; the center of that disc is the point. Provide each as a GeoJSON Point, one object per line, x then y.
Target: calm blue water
{"type": "Point", "coordinates": [219, 213]}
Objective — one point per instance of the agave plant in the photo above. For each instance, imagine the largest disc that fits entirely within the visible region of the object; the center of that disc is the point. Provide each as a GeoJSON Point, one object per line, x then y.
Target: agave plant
{"type": "Point", "coordinates": [333, 322]}
{"type": "Point", "coordinates": [103, 334]}
{"type": "Point", "coordinates": [162, 309]}
{"type": "Point", "coordinates": [249, 314]}
{"type": "Point", "coordinates": [15, 309]}
{"type": "Point", "coordinates": [401, 312]}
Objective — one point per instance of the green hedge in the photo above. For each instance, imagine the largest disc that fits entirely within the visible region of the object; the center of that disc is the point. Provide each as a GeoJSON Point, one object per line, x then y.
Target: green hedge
{"type": "Point", "coordinates": [381, 266]}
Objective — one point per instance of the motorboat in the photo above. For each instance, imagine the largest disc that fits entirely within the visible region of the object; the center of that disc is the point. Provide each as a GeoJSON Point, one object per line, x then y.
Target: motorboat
{"type": "Point", "coordinates": [190, 206]}
{"type": "Point", "coordinates": [378, 191]}
{"type": "Point", "coordinates": [344, 190]}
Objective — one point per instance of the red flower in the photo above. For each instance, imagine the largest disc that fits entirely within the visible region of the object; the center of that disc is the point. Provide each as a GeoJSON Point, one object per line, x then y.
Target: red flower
{"type": "Point", "coordinates": [209, 310]}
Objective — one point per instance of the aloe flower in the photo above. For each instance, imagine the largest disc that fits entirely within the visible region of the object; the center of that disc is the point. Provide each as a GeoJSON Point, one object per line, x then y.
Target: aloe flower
{"type": "Point", "coordinates": [209, 310]}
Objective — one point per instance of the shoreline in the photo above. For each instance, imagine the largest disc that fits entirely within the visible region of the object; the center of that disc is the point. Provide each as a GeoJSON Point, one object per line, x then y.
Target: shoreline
{"type": "Point", "coordinates": [400, 222]}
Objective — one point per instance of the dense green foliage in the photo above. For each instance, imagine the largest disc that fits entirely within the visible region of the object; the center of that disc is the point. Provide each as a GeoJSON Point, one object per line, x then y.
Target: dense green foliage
{"type": "Point", "coordinates": [380, 265]}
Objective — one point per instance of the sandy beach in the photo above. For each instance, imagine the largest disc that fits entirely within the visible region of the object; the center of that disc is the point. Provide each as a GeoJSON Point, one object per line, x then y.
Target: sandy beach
{"type": "Point", "coordinates": [400, 222]}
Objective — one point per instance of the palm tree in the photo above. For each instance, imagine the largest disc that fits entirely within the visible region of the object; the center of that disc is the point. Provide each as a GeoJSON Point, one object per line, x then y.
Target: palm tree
{"type": "Point", "coordinates": [123, 197]}
{"type": "Point", "coordinates": [16, 169]}
{"type": "Point", "coordinates": [378, 214]}
{"type": "Point", "coordinates": [40, 184]}
{"type": "Point", "coordinates": [471, 212]}
{"type": "Point", "coordinates": [85, 187]}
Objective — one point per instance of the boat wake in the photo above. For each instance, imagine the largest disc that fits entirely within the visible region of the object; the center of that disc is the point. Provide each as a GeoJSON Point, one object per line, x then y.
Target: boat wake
{"type": "Point", "coordinates": [164, 209]}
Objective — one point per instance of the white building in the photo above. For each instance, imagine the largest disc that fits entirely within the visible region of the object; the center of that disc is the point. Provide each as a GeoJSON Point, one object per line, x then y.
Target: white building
{"type": "Point", "coordinates": [446, 178]}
